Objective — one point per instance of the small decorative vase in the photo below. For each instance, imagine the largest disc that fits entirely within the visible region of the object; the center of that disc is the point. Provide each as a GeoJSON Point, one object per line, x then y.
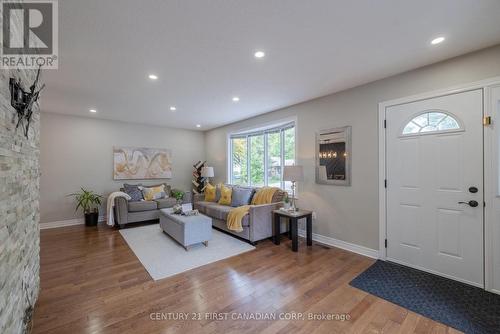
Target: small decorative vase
{"type": "Point", "coordinates": [177, 209]}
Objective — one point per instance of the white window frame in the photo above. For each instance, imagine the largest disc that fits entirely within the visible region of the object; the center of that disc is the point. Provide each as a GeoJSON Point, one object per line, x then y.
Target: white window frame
{"type": "Point", "coordinates": [460, 128]}
{"type": "Point", "coordinates": [256, 131]}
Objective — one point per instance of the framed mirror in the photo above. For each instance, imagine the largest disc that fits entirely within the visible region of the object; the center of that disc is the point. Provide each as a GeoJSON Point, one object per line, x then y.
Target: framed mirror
{"type": "Point", "coordinates": [333, 156]}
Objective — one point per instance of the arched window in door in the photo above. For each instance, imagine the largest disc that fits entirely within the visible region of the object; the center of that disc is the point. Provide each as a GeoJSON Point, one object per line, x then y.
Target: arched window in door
{"type": "Point", "coordinates": [432, 122]}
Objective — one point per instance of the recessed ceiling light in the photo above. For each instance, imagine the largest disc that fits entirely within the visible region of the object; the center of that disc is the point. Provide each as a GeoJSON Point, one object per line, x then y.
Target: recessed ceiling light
{"type": "Point", "coordinates": [236, 98]}
{"type": "Point", "coordinates": [153, 76]}
{"type": "Point", "coordinates": [259, 54]}
{"type": "Point", "coordinates": [93, 111]}
{"type": "Point", "coordinates": [437, 40]}
{"type": "Point", "coordinates": [172, 108]}
{"type": "Point", "coordinates": [198, 125]}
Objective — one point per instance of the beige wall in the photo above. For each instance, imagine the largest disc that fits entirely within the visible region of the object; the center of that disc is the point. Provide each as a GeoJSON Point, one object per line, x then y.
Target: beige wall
{"type": "Point", "coordinates": [351, 213]}
{"type": "Point", "coordinates": [78, 151]}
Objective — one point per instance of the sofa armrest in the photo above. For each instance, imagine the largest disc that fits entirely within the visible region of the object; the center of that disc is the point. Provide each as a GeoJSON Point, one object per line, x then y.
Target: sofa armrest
{"type": "Point", "coordinates": [261, 220]}
{"type": "Point", "coordinates": [121, 210]}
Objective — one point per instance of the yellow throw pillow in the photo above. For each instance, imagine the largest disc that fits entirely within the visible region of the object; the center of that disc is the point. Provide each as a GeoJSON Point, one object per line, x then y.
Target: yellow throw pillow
{"type": "Point", "coordinates": [209, 193]}
{"type": "Point", "coordinates": [153, 193]}
{"type": "Point", "coordinates": [225, 195]}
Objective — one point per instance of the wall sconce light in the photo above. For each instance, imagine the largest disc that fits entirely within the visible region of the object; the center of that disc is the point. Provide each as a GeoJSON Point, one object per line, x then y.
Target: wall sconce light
{"type": "Point", "coordinates": [329, 155]}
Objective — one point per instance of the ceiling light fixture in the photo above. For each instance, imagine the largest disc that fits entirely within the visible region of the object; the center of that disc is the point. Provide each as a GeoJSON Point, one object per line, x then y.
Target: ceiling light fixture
{"type": "Point", "coordinates": [93, 111]}
{"type": "Point", "coordinates": [198, 125]}
{"type": "Point", "coordinates": [153, 76]}
{"type": "Point", "coordinates": [172, 108]}
{"type": "Point", "coordinates": [259, 54]}
{"type": "Point", "coordinates": [236, 99]}
{"type": "Point", "coordinates": [437, 40]}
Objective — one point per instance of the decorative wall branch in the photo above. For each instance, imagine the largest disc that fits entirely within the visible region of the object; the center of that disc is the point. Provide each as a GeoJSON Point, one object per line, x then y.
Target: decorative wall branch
{"type": "Point", "coordinates": [23, 101]}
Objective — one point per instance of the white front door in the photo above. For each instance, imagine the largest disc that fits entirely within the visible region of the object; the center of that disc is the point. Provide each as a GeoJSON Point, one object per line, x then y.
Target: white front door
{"type": "Point", "coordinates": [434, 152]}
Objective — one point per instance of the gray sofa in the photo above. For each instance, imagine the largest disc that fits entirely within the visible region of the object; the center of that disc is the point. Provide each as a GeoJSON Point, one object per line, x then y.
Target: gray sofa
{"type": "Point", "coordinates": [257, 225]}
{"type": "Point", "coordinates": [127, 212]}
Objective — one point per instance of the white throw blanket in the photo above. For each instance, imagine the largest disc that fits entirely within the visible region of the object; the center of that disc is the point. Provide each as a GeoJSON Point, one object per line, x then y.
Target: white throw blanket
{"type": "Point", "coordinates": [111, 205]}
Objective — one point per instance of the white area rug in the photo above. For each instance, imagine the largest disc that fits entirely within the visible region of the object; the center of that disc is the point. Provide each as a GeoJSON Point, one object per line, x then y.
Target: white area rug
{"type": "Point", "coordinates": [162, 256]}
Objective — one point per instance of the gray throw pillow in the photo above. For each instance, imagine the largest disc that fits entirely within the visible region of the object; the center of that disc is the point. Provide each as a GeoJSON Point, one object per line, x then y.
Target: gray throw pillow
{"type": "Point", "coordinates": [217, 191]}
{"type": "Point", "coordinates": [241, 196]}
{"type": "Point", "coordinates": [133, 191]}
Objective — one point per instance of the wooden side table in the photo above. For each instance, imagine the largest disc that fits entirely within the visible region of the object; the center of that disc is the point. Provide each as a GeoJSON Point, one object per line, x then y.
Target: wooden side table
{"type": "Point", "coordinates": [293, 234]}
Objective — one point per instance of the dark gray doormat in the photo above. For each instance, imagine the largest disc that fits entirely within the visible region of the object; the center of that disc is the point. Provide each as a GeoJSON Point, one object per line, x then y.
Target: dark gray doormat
{"type": "Point", "coordinates": [458, 305]}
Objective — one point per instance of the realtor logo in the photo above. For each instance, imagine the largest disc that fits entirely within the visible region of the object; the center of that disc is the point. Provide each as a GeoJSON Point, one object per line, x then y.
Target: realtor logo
{"type": "Point", "coordinates": [29, 34]}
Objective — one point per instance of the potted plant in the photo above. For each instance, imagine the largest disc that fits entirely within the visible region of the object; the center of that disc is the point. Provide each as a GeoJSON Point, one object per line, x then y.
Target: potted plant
{"type": "Point", "coordinates": [89, 202]}
{"type": "Point", "coordinates": [178, 195]}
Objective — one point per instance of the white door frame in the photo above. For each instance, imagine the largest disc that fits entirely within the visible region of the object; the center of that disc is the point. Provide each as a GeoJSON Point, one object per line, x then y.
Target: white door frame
{"type": "Point", "coordinates": [485, 85]}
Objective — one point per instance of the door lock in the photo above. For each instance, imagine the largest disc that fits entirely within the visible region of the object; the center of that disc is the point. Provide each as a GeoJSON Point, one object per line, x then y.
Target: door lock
{"type": "Point", "coordinates": [473, 190]}
{"type": "Point", "coordinates": [470, 203]}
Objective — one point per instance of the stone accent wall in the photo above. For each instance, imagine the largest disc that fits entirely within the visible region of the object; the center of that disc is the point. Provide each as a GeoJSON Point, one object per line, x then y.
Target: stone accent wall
{"type": "Point", "coordinates": [19, 211]}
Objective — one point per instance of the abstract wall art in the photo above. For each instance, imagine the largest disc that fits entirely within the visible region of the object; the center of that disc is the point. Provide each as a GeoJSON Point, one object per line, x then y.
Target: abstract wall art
{"type": "Point", "coordinates": [135, 163]}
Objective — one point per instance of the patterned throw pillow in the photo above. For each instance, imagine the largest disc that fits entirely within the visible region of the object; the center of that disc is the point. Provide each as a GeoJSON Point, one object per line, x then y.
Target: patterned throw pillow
{"type": "Point", "coordinates": [134, 191]}
{"type": "Point", "coordinates": [225, 195]}
{"type": "Point", "coordinates": [167, 188]}
{"type": "Point", "coordinates": [209, 193]}
{"type": "Point", "coordinates": [153, 193]}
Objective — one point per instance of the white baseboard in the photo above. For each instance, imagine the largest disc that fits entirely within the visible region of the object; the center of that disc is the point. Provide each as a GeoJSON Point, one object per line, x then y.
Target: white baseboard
{"type": "Point", "coordinates": [68, 222]}
{"type": "Point", "coordinates": [362, 250]}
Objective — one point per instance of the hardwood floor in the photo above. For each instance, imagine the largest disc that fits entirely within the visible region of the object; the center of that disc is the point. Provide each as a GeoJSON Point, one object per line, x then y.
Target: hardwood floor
{"type": "Point", "coordinates": [91, 282]}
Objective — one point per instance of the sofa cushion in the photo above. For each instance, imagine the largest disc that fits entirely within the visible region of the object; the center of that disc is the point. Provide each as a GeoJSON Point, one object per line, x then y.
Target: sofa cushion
{"type": "Point", "coordinates": [202, 205]}
{"type": "Point", "coordinates": [142, 206]}
{"type": "Point", "coordinates": [218, 211]}
{"type": "Point", "coordinates": [221, 212]}
{"type": "Point", "coordinates": [241, 196]}
{"type": "Point", "coordinates": [134, 191]}
{"type": "Point", "coordinates": [166, 202]}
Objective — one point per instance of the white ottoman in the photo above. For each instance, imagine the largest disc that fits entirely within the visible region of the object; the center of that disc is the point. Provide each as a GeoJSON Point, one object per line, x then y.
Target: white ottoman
{"type": "Point", "coordinates": [186, 230]}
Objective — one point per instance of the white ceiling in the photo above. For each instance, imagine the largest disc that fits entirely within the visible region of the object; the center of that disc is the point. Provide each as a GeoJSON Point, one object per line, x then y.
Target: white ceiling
{"type": "Point", "coordinates": [202, 52]}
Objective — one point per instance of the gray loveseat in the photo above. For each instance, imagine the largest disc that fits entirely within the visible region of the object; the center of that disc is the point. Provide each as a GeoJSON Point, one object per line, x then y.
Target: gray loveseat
{"type": "Point", "coordinates": [257, 224]}
{"type": "Point", "coordinates": [127, 212]}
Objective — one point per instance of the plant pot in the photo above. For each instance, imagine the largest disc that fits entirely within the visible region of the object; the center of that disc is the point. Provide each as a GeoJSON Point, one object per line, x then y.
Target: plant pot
{"type": "Point", "coordinates": [91, 218]}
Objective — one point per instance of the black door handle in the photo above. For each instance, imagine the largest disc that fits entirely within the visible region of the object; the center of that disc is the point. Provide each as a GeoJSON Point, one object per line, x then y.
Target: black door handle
{"type": "Point", "coordinates": [470, 203]}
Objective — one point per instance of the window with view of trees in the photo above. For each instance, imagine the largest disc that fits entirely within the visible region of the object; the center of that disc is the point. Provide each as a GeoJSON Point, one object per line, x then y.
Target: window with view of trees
{"type": "Point", "coordinates": [257, 158]}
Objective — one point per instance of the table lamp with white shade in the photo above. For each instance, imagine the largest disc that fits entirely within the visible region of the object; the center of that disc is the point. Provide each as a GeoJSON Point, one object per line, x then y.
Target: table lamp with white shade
{"type": "Point", "coordinates": [294, 174]}
{"type": "Point", "coordinates": [207, 172]}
